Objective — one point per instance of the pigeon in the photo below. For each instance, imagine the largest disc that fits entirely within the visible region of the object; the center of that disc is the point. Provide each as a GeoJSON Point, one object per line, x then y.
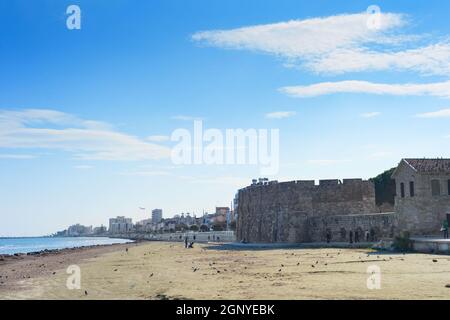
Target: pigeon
{"type": "Point", "coordinates": [313, 266]}
{"type": "Point", "coordinates": [151, 275]}
{"type": "Point", "coordinates": [85, 292]}
{"type": "Point", "coordinates": [434, 260]}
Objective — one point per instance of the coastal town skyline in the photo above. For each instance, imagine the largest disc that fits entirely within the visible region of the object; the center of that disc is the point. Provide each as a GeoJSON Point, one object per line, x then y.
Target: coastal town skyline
{"type": "Point", "coordinates": [87, 116]}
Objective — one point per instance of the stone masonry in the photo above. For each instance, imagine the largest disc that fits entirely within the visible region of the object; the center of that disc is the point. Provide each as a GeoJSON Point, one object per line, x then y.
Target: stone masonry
{"type": "Point", "coordinates": [286, 212]}
{"type": "Point", "coordinates": [422, 199]}
{"type": "Point", "coordinates": [301, 211]}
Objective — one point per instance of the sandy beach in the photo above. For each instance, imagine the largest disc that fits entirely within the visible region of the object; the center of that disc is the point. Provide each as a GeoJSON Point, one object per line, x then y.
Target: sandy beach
{"type": "Point", "coordinates": [157, 270]}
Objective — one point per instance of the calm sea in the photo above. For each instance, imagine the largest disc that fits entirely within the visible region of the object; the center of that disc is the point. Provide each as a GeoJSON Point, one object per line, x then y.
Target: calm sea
{"type": "Point", "coordinates": [25, 245]}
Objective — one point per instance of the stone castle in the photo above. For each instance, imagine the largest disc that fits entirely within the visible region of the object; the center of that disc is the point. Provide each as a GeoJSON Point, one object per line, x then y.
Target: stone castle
{"type": "Point", "coordinates": [301, 211]}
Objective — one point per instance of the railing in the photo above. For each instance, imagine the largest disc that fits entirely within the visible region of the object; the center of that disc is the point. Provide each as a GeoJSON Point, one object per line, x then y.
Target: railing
{"type": "Point", "coordinates": [213, 236]}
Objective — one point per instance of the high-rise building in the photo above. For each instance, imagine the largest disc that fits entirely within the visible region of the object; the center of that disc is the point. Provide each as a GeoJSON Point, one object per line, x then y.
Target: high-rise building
{"type": "Point", "coordinates": [156, 215]}
{"type": "Point", "coordinates": [120, 225]}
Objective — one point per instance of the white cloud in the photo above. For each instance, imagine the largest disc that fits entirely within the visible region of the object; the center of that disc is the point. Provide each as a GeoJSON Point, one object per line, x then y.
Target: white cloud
{"type": "Point", "coordinates": [429, 60]}
{"type": "Point", "coordinates": [438, 89]}
{"type": "Point", "coordinates": [339, 44]}
{"type": "Point", "coordinates": [280, 114]}
{"type": "Point", "coordinates": [158, 138]}
{"type": "Point", "coordinates": [85, 139]}
{"type": "Point", "coordinates": [444, 113]}
{"type": "Point", "coordinates": [370, 114]}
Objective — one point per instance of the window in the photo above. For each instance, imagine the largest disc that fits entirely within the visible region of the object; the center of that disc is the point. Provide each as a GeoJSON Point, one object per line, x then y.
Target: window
{"type": "Point", "coordinates": [411, 189]}
{"type": "Point", "coordinates": [402, 189]}
{"type": "Point", "coordinates": [435, 188]}
{"type": "Point", "coordinates": [448, 187]}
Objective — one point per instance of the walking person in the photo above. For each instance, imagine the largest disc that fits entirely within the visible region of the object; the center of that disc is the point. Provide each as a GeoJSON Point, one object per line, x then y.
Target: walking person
{"type": "Point", "coordinates": [350, 235]}
{"type": "Point", "coordinates": [367, 235]}
{"type": "Point", "coordinates": [186, 242]}
{"type": "Point", "coordinates": [444, 229]}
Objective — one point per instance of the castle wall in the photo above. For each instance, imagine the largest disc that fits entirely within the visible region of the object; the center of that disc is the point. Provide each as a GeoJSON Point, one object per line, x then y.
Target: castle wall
{"type": "Point", "coordinates": [379, 226]}
{"type": "Point", "coordinates": [279, 212]}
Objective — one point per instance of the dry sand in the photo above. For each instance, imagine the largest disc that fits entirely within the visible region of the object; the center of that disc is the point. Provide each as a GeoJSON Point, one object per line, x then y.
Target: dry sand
{"type": "Point", "coordinates": [168, 271]}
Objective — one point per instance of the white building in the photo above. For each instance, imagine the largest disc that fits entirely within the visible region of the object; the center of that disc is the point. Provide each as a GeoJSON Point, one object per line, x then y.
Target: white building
{"type": "Point", "coordinates": [120, 225]}
{"type": "Point", "coordinates": [79, 230]}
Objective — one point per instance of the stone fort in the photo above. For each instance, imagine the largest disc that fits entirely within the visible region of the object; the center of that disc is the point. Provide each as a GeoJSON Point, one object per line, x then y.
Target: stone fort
{"type": "Point", "coordinates": [303, 211]}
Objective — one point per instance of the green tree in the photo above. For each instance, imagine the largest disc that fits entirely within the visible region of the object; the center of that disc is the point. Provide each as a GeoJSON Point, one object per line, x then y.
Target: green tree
{"type": "Point", "coordinates": [384, 188]}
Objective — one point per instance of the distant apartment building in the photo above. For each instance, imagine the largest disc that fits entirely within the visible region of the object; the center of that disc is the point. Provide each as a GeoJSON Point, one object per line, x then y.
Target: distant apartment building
{"type": "Point", "coordinates": [78, 230]}
{"type": "Point", "coordinates": [143, 226]}
{"type": "Point", "coordinates": [120, 225]}
{"type": "Point", "coordinates": [100, 230]}
{"type": "Point", "coordinates": [157, 215]}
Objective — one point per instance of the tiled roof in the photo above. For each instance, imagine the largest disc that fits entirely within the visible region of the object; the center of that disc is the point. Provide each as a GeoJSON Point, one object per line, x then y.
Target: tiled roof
{"type": "Point", "coordinates": [430, 165]}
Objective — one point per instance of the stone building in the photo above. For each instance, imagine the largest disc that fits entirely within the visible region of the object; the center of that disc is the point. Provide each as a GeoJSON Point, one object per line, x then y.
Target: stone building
{"type": "Point", "coordinates": [301, 211]}
{"type": "Point", "coordinates": [422, 199]}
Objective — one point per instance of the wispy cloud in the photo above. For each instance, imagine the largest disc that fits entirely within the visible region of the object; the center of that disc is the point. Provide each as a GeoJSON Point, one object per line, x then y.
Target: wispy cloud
{"type": "Point", "coordinates": [438, 89]}
{"type": "Point", "coordinates": [85, 139]}
{"type": "Point", "coordinates": [370, 114]}
{"type": "Point", "coordinates": [158, 138]}
{"type": "Point", "coordinates": [444, 113]}
{"type": "Point", "coordinates": [339, 44]}
{"type": "Point", "coordinates": [280, 114]}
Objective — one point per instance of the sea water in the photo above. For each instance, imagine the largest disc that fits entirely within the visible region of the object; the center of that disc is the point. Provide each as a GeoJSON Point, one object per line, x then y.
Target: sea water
{"type": "Point", "coordinates": [25, 245]}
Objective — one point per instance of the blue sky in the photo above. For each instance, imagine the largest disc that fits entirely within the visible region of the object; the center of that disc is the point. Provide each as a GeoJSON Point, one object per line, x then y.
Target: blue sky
{"type": "Point", "coordinates": [85, 114]}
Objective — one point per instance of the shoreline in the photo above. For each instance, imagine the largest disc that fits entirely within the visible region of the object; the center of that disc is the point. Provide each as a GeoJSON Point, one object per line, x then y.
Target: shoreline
{"type": "Point", "coordinates": [22, 266]}
{"type": "Point", "coordinates": [166, 270]}
{"type": "Point", "coordinates": [5, 256]}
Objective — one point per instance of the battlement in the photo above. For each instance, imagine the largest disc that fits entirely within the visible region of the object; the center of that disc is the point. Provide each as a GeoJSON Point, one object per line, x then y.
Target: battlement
{"type": "Point", "coordinates": [272, 211]}
{"type": "Point", "coordinates": [264, 182]}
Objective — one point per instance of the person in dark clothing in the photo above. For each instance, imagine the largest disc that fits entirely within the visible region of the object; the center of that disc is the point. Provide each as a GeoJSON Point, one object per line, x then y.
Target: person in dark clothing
{"type": "Point", "coordinates": [444, 229]}
{"type": "Point", "coordinates": [185, 242]}
{"type": "Point", "coordinates": [328, 235]}
{"type": "Point", "coordinates": [350, 235]}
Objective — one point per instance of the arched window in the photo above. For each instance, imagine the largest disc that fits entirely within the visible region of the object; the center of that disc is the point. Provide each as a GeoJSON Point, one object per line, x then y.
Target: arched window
{"type": "Point", "coordinates": [411, 189]}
